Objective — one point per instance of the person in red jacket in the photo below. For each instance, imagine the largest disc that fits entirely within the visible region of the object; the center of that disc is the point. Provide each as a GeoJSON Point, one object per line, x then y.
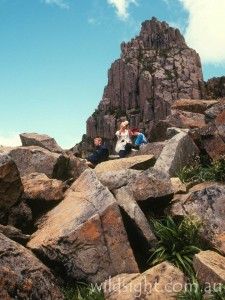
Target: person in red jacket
{"type": "Point", "coordinates": [140, 138]}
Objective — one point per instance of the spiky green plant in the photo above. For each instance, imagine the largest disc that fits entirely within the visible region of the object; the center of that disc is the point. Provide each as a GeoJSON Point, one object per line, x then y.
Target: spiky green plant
{"type": "Point", "coordinates": [218, 292]}
{"type": "Point", "coordinates": [192, 291]}
{"type": "Point", "coordinates": [177, 243]}
{"type": "Point", "coordinates": [83, 291]}
{"type": "Point", "coordinates": [213, 171]}
{"type": "Point", "coordinates": [195, 291]}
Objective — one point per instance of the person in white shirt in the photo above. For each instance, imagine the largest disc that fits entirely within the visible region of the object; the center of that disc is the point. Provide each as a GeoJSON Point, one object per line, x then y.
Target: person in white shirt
{"type": "Point", "coordinates": [123, 137]}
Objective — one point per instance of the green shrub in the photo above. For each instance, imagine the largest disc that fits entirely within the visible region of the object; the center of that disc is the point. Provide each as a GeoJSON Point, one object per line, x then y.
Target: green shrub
{"type": "Point", "coordinates": [193, 291]}
{"type": "Point", "coordinates": [214, 171]}
{"type": "Point", "coordinates": [218, 293]}
{"type": "Point", "coordinates": [177, 242]}
{"type": "Point", "coordinates": [83, 291]}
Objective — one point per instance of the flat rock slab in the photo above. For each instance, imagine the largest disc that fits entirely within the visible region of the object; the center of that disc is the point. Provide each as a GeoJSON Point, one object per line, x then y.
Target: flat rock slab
{"type": "Point", "coordinates": [116, 179]}
{"type": "Point", "coordinates": [142, 162]}
{"type": "Point", "coordinates": [192, 105]}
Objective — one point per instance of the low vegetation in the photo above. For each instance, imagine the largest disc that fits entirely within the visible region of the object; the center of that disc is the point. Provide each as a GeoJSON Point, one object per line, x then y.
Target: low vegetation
{"type": "Point", "coordinates": [83, 291]}
{"type": "Point", "coordinates": [177, 243]}
{"type": "Point", "coordinates": [212, 171]}
{"type": "Point", "coordinates": [195, 291]}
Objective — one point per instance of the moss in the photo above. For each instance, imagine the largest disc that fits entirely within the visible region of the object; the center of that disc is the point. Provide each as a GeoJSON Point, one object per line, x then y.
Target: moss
{"type": "Point", "coordinates": [163, 52]}
{"type": "Point", "coordinates": [169, 75]}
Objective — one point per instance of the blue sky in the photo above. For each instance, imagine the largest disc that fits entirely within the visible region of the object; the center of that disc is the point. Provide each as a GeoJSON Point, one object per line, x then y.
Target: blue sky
{"type": "Point", "coordinates": [55, 55]}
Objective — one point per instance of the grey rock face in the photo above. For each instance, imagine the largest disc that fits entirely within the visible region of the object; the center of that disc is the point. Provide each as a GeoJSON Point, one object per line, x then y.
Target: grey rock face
{"type": "Point", "coordinates": [127, 202]}
{"type": "Point", "coordinates": [206, 201]}
{"type": "Point", "coordinates": [178, 152]}
{"type": "Point", "coordinates": [10, 183]}
{"type": "Point", "coordinates": [215, 87]}
{"type": "Point", "coordinates": [36, 159]}
{"type": "Point", "coordinates": [20, 215]}
{"type": "Point", "coordinates": [18, 265]}
{"type": "Point", "coordinates": [152, 183]}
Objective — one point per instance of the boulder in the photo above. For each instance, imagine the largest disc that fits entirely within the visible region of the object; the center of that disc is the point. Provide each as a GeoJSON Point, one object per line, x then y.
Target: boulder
{"type": "Point", "coordinates": [142, 162]}
{"type": "Point", "coordinates": [193, 105]}
{"type": "Point", "coordinates": [214, 146]}
{"type": "Point", "coordinates": [23, 276]}
{"type": "Point", "coordinates": [14, 234]}
{"type": "Point", "coordinates": [186, 119]}
{"type": "Point", "coordinates": [41, 140]}
{"type": "Point", "coordinates": [149, 149]}
{"type": "Point", "coordinates": [215, 110]}
{"type": "Point", "coordinates": [158, 283]}
{"type": "Point", "coordinates": [36, 159]}
{"type": "Point", "coordinates": [159, 132]}
{"type": "Point", "coordinates": [76, 166]}
{"type": "Point", "coordinates": [127, 202]}
{"type": "Point", "coordinates": [39, 186]}
{"type": "Point", "coordinates": [220, 124]}
{"type": "Point", "coordinates": [178, 186]}
{"type": "Point", "coordinates": [209, 267]}
{"type": "Point", "coordinates": [179, 151]}
{"type": "Point", "coordinates": [85, 233]}
{"type": "Point", "coordinates": [116, 179]}
{"type": "Point", "coordinates": [152, 183]}
{"type": "Point", "coordinates": [206, 202]}
{"type": "Point", "coordinates": [10, 184]}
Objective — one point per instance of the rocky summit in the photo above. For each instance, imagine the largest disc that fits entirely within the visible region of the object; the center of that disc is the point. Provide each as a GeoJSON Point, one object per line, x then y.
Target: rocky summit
{"type": "Point", "coordinates": [155, 69]}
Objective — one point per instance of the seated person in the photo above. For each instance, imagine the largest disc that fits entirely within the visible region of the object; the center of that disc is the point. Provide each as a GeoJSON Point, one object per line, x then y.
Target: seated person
{"type": "Point", "coordinates": [100, 154]}
{"type": "Point", "coordinates": [123, 139]}
{"type": "Point", "coordinates": [140, 139]}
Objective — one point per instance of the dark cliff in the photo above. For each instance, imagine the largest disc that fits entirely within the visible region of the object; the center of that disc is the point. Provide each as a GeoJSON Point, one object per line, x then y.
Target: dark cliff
{"type": "Point", "coordinates": [155, 69]}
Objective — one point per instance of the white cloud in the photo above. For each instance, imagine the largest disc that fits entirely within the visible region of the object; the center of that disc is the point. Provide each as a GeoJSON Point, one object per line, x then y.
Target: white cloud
{"type": "Point", "coordinates": [12, 139]}
{"type": "Point", "coordinates": [60, 3]}
{"type": "Point", "coordinates": [122, 7]}
{"type": "Point", "coordinates": [205, 30]}
{"type": "Point", "coordinates": [92, 21]}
